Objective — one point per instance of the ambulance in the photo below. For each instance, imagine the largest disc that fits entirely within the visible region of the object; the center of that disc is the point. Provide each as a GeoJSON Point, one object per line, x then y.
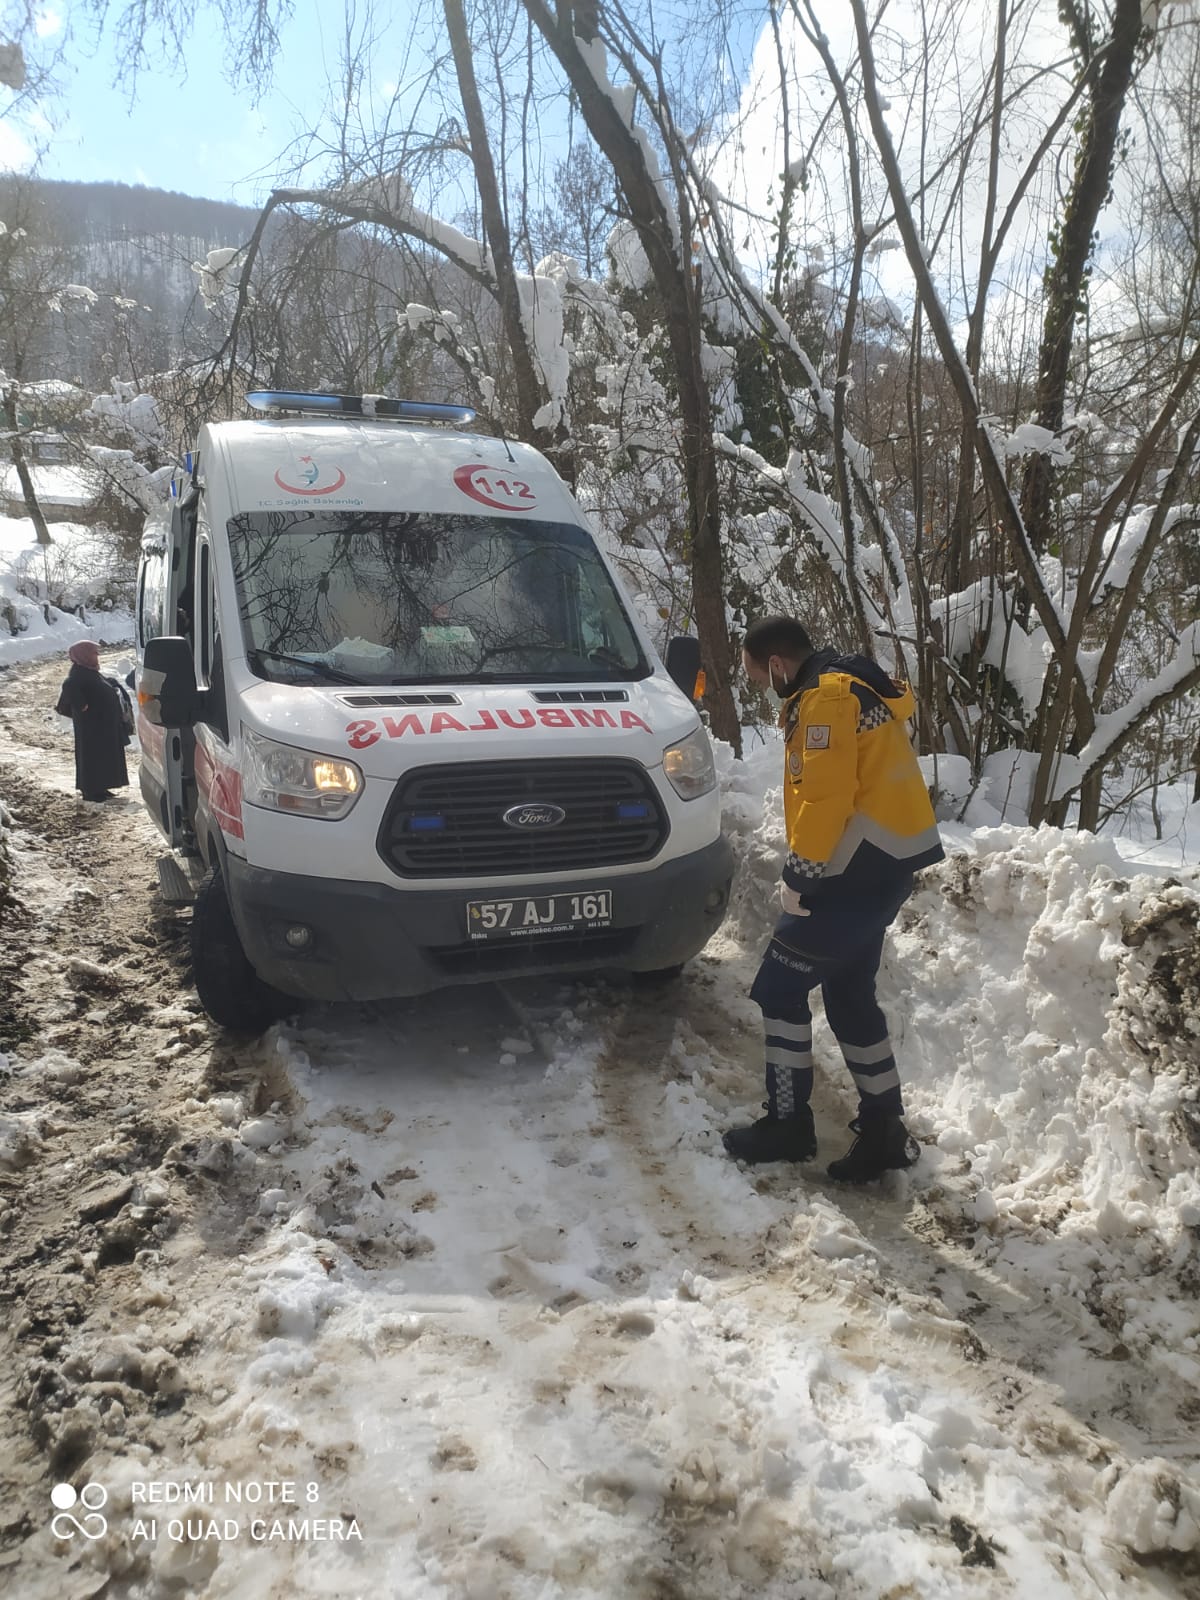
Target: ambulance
{"type": "Point", "coordinates": [400, 724]}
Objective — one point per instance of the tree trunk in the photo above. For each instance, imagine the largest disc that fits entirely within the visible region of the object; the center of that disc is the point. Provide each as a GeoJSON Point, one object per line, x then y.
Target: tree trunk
{"type": "Point", "coordinates": [679, 294]}
{"type": "Point", "coordinates": [24, 476]}
{"type": "Point", "coordinates": [1065, 283]}
{"type": "Point", "coordinates": [528, 387]}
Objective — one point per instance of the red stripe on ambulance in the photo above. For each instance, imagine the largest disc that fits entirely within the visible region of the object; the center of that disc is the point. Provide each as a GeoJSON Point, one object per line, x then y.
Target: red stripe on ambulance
{"type": "Point", "coordinates": [361, 735]}
{"type": "Point", "coordinates": [151, 738]}
{"type": "Point", "coordinates": [221, 787]}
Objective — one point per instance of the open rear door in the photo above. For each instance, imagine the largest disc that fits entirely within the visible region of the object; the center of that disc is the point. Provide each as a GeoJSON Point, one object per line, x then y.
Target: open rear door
{"type": "Point", "coordinates": [169, 768]}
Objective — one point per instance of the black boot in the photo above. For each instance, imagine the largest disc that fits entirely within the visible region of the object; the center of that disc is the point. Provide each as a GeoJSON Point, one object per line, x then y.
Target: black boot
{"type": "Point", "coordinates": [883, 1144]}
{"type": "Point", "coordinates": [774, 1138]}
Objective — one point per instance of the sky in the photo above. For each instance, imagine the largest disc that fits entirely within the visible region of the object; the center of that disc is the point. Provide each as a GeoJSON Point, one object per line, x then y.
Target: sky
{"type": "Point", "coordinates": [185, 128]}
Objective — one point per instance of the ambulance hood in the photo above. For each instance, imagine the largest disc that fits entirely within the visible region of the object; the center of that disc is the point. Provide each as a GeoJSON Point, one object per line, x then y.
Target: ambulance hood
{"type": "Point", "coordinates": [387, 731]}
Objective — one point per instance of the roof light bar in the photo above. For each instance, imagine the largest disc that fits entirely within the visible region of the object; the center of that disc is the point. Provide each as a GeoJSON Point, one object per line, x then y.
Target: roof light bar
{"type": "Point", "coordinates": [358, 405]}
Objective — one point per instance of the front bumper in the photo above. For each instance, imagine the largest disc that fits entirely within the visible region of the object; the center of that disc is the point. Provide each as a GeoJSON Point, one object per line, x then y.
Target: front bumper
{"type": "Point", "coordinates": [374, 942]}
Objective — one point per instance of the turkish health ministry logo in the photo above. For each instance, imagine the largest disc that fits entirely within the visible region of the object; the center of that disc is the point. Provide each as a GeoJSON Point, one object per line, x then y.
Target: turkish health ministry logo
{"type": "Point", "coordinates": [307, 477]}
{"type": "Point", "coordinates": [89, 1524]}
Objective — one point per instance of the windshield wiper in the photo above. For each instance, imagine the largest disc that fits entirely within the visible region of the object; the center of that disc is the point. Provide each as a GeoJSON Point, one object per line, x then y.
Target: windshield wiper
{"type": "Point", "coordinates": [321, 667]}
{"type": "Point", "coordinates": [611, 658]}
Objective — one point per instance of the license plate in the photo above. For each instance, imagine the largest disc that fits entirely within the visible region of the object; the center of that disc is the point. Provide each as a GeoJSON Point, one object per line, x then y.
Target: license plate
{"type": "Point", "coordinates": [524, 916]}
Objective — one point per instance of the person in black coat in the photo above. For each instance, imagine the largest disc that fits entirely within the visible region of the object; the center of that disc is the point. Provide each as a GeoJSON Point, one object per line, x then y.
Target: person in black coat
{"type": "Point", "coordinates": [100, 738]}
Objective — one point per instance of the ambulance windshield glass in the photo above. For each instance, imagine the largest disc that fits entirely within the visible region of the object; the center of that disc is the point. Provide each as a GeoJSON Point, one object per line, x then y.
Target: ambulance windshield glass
{"type": "Point", "coordinates": [392, 597]}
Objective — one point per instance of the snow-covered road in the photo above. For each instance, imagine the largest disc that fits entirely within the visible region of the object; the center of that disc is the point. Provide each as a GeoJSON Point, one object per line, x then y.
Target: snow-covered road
{"type": "Point", "coordinates": [471, 1284]}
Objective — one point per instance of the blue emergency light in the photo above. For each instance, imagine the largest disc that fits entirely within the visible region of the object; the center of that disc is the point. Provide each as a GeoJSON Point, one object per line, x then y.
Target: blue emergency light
{"type": "Point", "coordinates": [357, 405]}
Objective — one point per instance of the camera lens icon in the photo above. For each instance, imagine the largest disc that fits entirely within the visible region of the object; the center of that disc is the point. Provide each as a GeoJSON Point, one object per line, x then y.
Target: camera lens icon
{"type": "Point", "coordinates": [65, 1525]}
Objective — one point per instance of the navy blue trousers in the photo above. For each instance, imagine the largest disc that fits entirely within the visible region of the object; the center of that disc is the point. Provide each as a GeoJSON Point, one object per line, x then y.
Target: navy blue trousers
{"type": "Point", "coordinates": [837, 947]}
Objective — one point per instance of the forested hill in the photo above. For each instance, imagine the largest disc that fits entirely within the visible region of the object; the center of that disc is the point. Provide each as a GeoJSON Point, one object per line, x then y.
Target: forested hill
{"type": "Point", "coordinates": [126, 243]}
{"type": "Point", "coordinates": [99, 213]}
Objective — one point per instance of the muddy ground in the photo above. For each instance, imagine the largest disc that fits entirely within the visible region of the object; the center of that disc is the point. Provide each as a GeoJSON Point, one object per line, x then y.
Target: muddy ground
{"type": "Point", "coordinates": [132, 1219]}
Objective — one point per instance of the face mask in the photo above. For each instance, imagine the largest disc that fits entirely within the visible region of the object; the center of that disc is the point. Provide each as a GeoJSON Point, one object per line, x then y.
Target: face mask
{"type": "Point", "coordinates": [778, 690]}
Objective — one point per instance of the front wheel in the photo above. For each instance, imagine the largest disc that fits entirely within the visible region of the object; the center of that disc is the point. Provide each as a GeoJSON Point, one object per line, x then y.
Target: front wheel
{"type": "Point", "coordinates": [230, 990]}
{"type": "Point", "coordinates": [660, 977]}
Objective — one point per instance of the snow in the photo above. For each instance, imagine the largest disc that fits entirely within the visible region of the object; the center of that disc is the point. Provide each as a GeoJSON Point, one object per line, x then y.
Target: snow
{"type": "Point", "coordinates": [217, 273]}
{"type": "Point", "coordinates": [1111, 726]}
{"type": "Point", "coordinates": [623, 99]}
{"type": "Point", "coordinates": [392, 194]}
{"type": "Point", "coordinates": [505, 1304]}
{"type": "Point", "coordinates": [56, 485]}
{"type": "Point", "coordinates": [630, 263]}
{"type": "Point", "coordinates": [541, 300]}
{"type": "Point", "coordinates": [880, 245]}
{"type": "Point", "coordinates": [80, 569]}
{"type": "Point", "coordinates": [128, 411]}
{"type": "Point", "coordinates": [1027, 439]}
{"type": "Point", "coordinates": [51, 390]}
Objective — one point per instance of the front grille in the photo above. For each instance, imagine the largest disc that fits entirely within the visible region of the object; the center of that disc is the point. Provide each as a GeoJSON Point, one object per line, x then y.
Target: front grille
{"type": "Point", "coordinates": [595, 948]}
{"type": "Point", "coordinates": [448, 822]}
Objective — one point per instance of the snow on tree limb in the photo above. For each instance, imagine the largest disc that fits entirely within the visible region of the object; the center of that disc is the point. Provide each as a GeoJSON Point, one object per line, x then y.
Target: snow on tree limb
{"type": "Point", "coordinates": [398, 213]}
{"type": "Point", "coordinates": [217, 273]}
{"type": "Point", "coordinates": [12, 65]}
{"type": "Point", "coordinates": [1114, 731]}
{"type": "Point", "coordinates": [624, 102]}
{"type": "Point", "coordinates": [817, 510]}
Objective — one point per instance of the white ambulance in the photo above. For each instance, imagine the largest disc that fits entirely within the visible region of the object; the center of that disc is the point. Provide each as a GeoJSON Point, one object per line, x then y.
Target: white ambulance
{"type": "Point", "coordinates": [399, 721]}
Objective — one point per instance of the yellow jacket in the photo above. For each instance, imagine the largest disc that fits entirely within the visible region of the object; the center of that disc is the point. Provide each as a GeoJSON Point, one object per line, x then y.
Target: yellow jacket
{"type": "Point", "coordinates": [856, 807]}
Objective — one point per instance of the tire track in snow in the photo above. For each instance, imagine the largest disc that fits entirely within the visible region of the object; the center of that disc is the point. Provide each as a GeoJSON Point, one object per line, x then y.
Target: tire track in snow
{"type": "Point", "coordinates": [1043, 1372]}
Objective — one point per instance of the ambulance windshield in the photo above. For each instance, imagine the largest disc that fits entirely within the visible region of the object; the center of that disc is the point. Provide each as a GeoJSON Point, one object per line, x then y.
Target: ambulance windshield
{"type": "Point", "coordinates": [393, 597]}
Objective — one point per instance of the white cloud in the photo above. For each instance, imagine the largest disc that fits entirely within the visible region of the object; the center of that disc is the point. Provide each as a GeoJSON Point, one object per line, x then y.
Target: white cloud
{"type": "Point", "coordinates": [747, 154]}
{"type": "Point", "coordinates": [47, 23]}
{"type": "Point", "coordinates": [16, 152]}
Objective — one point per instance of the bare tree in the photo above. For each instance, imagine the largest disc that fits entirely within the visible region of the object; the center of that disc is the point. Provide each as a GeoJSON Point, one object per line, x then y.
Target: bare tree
{"type": "Point", "coordinates": [33, 278]}
{"type": "Point", "coordinates": [665, 235]}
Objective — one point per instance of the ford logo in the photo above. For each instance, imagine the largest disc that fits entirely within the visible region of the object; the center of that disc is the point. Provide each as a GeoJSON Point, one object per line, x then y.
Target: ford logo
{"type": "Point", "coordinates": [534, 816]}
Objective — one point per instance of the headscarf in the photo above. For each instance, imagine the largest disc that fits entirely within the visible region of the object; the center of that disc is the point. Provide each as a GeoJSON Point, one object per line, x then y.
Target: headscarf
{"type": "Point", "coordinates": [85, 654]}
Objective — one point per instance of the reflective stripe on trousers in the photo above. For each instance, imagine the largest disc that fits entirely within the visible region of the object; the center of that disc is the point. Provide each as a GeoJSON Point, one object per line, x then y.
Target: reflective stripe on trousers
{"type": "Point", "coordinates": [847, 983]}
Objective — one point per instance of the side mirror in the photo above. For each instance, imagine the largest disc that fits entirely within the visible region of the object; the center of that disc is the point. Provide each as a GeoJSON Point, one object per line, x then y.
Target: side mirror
{"type": "Point", "coordinates": [167, 690]}
{"type": "Point", "coordinates": [683, 664]}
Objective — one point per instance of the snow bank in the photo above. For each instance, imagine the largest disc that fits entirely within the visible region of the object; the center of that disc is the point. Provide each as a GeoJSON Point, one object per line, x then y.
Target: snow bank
{"type": "Point", "coordinates": [1045, 1004]}
{"type": "Point", "coordinates": [81, 569]}
{"type": "Point", "coordinates": [57, 485]}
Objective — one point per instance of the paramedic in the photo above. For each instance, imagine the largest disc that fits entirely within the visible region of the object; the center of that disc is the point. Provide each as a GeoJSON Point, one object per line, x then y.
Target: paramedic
{"type": "Point", "coordinates": [859, 824]}
{"type": "Point", "coordinates": [93, 705]}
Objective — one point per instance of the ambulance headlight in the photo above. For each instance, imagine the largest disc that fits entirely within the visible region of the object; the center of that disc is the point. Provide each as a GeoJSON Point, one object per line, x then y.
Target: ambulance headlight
{"type": "Point", "coordinates": [690, 767]}
{"type": "Point", "coordinates": [303, 782]}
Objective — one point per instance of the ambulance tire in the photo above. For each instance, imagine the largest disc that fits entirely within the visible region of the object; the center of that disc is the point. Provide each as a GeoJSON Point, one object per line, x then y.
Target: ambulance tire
{"type": "Point", "coordinates": [660, 977]}
{"type": "Point", "coordinates": [230, 990]}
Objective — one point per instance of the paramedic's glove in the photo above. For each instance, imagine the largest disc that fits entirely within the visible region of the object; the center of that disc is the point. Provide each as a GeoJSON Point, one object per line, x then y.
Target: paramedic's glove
{"type": "Point", "coordinates": [791, 902]}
